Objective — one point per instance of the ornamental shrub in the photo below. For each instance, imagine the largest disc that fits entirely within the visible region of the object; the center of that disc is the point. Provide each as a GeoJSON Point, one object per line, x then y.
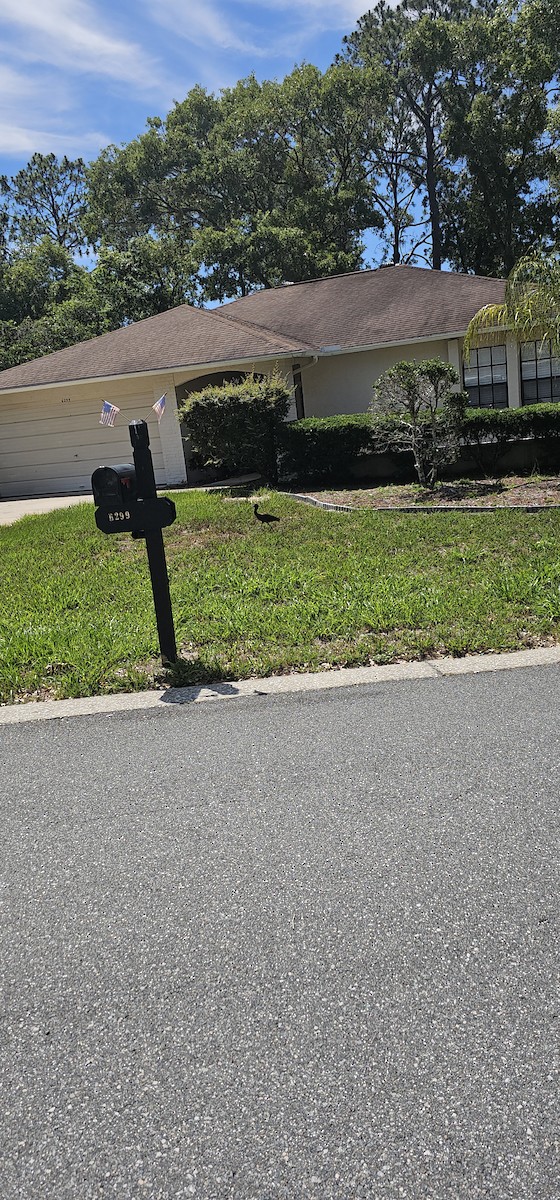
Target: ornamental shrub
{"type": "Point", "coordinates": [425, 414]}
{"type": "Point", "coordinates": [237, 423]}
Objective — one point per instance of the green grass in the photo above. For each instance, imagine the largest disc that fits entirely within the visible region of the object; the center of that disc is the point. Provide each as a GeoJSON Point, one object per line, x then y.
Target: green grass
{"type": "Point", "coordinates": [320, 588]}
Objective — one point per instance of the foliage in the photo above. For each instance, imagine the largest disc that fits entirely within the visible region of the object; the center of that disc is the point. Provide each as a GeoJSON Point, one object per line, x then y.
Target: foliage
{"type": "Point", "coordinates": [328, 449]}
{"type": "Point", "coordinates": [437, 129]}
{"type": "Point", "coordinates": [343, 589]}
{"type": "Point", "coordinates": [47, 199]}
{"type": "Point", "coordinates": [426, 414]}
{"type": "Point", "coordinates": [530, 310]}
{"type": "Point", "coordinates": [489, 431]}
{"type": "Point", "coordinates": [237, 423]}
{"type": "Point", "coordinates": [261, 184]}
{"type": "Point", "coordinates": [48, 301]}
{"type": "Point", "coordinates": [496, 198]}
{"type": "Point", "coordinates": [323, 447]}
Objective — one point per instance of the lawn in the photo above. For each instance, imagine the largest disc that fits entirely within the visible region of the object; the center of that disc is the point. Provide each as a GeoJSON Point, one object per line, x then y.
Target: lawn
{"type": "Point", "coordinates": [319, 589]}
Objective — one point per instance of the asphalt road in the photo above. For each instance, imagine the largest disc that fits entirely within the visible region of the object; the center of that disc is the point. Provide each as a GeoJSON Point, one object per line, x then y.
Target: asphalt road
{"type": "Point", "coordinates": [289, 946]}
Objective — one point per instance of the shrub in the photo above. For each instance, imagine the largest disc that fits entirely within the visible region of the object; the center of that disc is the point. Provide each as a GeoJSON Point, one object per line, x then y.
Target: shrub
{"type": "Point", "coordinates": [323, 447]}
{"type": "Point", "coordinates": [425, 414]}
{"type": "Point", "coordinates": [238, 423]}
{"type": "Point", "coordinates": [489, 431]}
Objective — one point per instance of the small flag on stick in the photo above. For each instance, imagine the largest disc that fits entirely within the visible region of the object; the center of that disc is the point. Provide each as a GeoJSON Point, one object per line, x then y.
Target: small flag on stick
{"type": "Point", "coordinates": [108, 413]}
{"type": "Point", "coordinates": [159, 407]}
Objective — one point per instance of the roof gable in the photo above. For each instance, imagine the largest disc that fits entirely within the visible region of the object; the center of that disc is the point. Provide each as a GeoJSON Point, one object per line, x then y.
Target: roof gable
{"type": "Point", "coordinates": [362, 309]}
{"type": "Point", "coordinates": [182, 337]}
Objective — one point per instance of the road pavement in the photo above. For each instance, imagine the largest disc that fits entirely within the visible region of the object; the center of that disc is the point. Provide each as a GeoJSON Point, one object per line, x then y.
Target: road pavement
{"type": "Point", "coordinates": [285, 946]}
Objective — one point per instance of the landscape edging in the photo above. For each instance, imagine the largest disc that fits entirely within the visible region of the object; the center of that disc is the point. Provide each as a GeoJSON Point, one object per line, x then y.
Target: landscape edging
{"type": "Point", "coordinates": [423, 508]}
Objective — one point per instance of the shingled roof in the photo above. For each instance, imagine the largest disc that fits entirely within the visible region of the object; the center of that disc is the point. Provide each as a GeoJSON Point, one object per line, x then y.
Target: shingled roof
{"type": "Point", "coordinates": [181, 337]}
{"type": "Point", "coordinates": [365, 308]}
{"type": "Point", "coordinates": [370, 308]}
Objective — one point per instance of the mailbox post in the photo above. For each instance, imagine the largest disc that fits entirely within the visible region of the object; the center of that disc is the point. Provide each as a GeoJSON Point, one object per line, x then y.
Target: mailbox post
{"type": "Point", "coordinates": [127, 502]}
{"type": "Point", "coordinates": [146, 484]}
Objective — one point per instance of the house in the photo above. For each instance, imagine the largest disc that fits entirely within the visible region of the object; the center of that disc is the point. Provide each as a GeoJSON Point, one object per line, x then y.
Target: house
{"type": "Point", "coordinates": [331, 337]}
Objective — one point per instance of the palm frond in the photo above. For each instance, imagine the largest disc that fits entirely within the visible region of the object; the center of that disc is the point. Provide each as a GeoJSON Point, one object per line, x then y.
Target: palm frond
{"type": "Point", "coordinates": [530, 311]}
{"type": "Point", "coordinates": [487, 328]}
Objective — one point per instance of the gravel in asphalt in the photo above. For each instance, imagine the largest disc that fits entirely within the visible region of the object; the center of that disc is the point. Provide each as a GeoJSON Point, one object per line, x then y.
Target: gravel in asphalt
{"type": "Point", "coordinates": [291, 946]}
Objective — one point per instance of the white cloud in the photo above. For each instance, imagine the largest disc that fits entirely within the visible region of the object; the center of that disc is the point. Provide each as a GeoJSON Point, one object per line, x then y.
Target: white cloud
{"type": "Point", "coordinates": [243, 26]}
{"type": "Point", "coordinates": [38, 113]}
{"type": "Point", "coordinates": [71, 35]}
{"type": "Point", "coordinates": [23, 141]}
{"type": "Point", "coordinates": [329, 14]}
{"type": "Point", "coordinates": [204, 24]}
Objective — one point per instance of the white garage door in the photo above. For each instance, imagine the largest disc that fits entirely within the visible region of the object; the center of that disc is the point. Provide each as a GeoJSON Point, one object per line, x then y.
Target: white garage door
{"type": "Point", "coordinates": [51, 441]}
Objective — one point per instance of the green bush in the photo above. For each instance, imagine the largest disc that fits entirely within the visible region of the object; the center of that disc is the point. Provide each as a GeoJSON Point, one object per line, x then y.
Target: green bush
{"type": "Point", "coordinates": [323, 447]}
{"type": "Point", "coordinates": [238, 423]}
{"type": "Point", "coordinates": [489, 431]}
{"type": "Point", "coordinates": [327, 448]}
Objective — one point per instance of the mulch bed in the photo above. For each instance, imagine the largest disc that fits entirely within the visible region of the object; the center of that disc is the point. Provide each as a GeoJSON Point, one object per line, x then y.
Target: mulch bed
{"type": "Point", "coordinates": [505, 492]}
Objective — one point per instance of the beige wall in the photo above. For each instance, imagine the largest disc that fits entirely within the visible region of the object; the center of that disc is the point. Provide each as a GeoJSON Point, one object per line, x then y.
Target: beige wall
{"type": "Point", "coordinates": [342, 383]}
{"type": "Point", "coordinates": [51, 440]}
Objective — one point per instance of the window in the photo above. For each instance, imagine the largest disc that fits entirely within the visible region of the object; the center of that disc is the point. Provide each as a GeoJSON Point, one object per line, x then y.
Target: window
{"type": "Point", "coordinates": [486, 378]}
{"type": "Point", "coordinates": [540, 373]}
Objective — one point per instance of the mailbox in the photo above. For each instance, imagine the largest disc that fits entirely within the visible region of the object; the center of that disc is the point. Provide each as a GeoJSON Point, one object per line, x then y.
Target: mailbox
{"type": "Point", "coordinates": [114, 487]}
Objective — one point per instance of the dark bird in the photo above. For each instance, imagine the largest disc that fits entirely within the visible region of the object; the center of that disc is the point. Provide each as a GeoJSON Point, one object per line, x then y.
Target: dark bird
{"type": "Point", "coordinates": [266, 518]}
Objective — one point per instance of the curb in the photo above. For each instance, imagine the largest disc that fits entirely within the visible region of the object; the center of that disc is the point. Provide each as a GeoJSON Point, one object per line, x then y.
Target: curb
{"type": "Point", "coordinates": [274, 685]}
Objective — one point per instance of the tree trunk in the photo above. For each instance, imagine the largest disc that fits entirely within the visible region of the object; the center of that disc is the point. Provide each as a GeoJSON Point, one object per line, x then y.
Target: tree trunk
{"type": "Point", "coordinates": [432, 195]}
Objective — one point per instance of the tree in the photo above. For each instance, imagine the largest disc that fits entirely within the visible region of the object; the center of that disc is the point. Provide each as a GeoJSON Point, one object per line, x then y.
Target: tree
{"type": "Point", "coordinates": [47, 199]}
{"type": "Point", "coordinates": [530, 310]}
{"type": "Point", "coordinates": [413, 47]}
{"type": "Point", "coordinates": [262, 184]}
{"type": "Point", "coordinates": [422, 413]}
{"type": "Point", "coordinates": [496, 202]}
{"type": "Point", "coordinates": [150, 276]}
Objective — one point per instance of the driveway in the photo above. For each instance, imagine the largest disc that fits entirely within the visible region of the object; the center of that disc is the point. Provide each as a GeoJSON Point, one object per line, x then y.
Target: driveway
{"type": "Point", "coordinates": [13, 510]}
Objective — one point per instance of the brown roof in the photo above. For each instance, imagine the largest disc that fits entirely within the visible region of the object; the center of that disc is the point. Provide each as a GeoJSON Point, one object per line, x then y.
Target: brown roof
{"type": "Point", "coordinates": [181, 337]}
{"type": "Point", "coordinates": [365, 308]}
{"type": "Point", "coordinates": [370, 308]}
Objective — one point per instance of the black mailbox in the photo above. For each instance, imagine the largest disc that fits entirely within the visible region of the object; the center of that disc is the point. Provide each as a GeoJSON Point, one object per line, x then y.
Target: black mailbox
{"type": "Point", "coordinates": [114, 487]}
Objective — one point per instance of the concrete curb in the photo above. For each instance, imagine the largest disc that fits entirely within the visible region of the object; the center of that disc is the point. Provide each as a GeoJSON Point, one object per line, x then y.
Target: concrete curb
{"type": "Point", "coordinates": [275, 685]}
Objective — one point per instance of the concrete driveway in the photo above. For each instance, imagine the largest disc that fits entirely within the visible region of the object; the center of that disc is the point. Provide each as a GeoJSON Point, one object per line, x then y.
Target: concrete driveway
{"type": "Point", "coordinates": [13, 510]}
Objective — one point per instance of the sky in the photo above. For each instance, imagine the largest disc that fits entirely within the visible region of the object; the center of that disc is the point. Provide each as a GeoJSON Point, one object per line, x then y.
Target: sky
{"type": "Point", "coordinates": [77, 75]}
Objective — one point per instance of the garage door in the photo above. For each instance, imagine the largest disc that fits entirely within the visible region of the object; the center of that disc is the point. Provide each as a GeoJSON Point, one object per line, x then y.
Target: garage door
{"type": "Point", "coordinates": [51, 441]}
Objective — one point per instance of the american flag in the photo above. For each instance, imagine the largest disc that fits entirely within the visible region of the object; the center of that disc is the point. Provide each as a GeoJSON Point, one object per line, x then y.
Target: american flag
{"type": "Point", "coordinates": [159, 407]}
{"type": "Point", "coordinates": [108, 413]}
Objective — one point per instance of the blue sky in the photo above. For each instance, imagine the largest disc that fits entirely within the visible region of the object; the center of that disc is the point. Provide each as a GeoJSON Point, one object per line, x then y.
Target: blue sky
{"type": "Point", "coordinates": [76, 75]}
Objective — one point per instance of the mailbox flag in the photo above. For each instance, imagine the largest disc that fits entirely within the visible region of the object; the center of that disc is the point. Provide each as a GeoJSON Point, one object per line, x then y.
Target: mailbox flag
{"type": "Point", "coordinates": [159, 407]}
{"type": "Point", "coordinates": [108, 413]}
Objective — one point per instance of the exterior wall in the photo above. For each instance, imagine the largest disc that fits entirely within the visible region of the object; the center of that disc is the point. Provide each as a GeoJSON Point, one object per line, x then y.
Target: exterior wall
{"type": "Point", "coordinates": [51, 440]}
{"type": "Point", "coordinates": [342, 383]}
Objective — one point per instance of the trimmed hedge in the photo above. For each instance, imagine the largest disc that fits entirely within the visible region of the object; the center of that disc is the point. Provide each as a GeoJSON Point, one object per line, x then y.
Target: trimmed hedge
{"type": "Point", "coordinates": [326, 448]}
